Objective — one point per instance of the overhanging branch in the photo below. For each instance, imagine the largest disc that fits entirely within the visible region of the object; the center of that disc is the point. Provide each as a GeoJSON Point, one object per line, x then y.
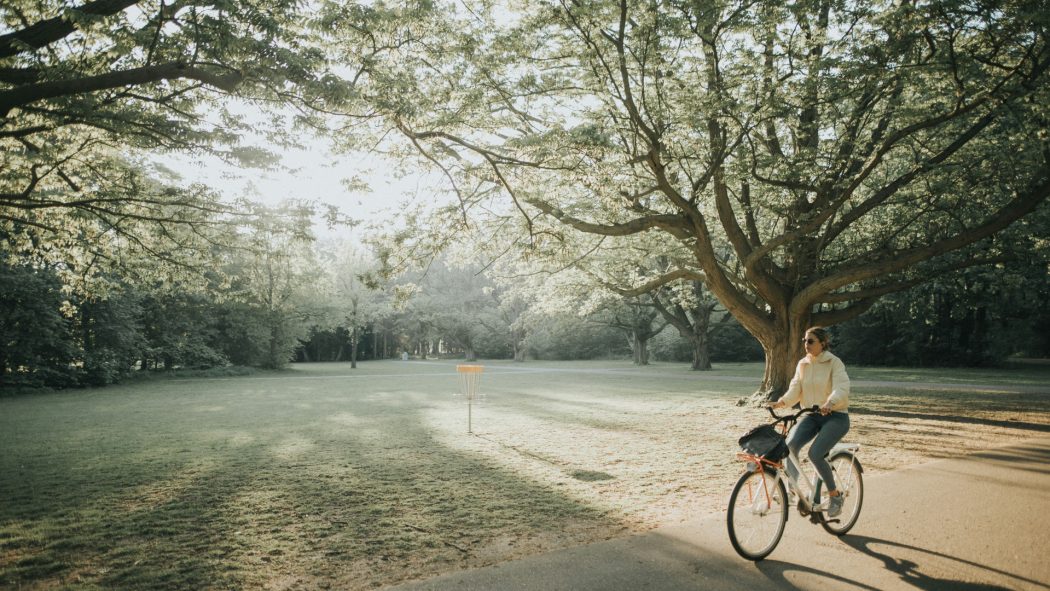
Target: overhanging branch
{"type": "Point", "coordinates": [48, 31]}
{"type": "Point", "coordinates": [24, 95]}
{"type": "Point", "coordinates": [896, 261]}
{"type": "Point", "coordinates": [901, 285]}
{"type": "Point", "coordinates": [653, 284]}
{"type": "Point", "coordinates": [671, 223]}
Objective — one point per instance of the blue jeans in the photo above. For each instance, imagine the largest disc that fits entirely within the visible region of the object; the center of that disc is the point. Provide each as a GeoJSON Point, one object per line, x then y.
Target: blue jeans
{"type": "Point", "coordinates": [828, 430]}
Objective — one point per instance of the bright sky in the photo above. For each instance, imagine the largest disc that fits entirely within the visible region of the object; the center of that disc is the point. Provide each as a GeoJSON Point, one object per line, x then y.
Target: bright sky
{"type": "Point", "coordinates": [317, 175]}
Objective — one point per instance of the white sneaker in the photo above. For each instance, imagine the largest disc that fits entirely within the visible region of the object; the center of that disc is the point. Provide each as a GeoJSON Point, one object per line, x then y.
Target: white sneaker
{"type": "Point", "coordinates": [835, 505]}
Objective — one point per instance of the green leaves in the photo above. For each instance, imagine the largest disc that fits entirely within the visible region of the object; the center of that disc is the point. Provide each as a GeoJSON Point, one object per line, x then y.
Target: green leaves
{"type": "Point", "coordinates": [808, 156]}
{"type": "Point", "coordinates": [93, 86]}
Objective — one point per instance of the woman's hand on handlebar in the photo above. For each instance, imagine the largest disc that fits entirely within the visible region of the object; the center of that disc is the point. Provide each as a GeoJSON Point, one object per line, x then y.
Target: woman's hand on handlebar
{"type": "Point", "coordinates": [772, 405]}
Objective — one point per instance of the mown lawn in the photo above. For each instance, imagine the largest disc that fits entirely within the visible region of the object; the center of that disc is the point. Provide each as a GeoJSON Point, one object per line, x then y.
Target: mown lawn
{"type": "Point", "coordinates": [323, 476]}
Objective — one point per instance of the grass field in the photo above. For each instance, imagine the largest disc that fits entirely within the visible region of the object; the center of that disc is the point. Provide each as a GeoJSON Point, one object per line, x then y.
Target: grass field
{"type": "Point", "coordinates": [327, 477]}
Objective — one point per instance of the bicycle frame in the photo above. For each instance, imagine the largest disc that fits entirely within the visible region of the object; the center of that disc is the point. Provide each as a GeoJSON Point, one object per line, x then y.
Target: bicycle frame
{"type": "Point", "coordinates": [760, 464]}
{"type": "Point", "coordinates": [809, 502]}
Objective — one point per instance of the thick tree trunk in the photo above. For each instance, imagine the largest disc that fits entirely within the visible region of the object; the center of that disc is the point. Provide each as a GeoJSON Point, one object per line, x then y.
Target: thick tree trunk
{"type": "Point", "coordinates": [639, 349]}
{"type": "Point", "coordinates": [274, 347]}
{"type": "Point", "coordinates": [783, 348]}
{"type": "Point", "coordinates": [353, 349]}
{"type": "Point", "coordinates": [469, 353]}
{"type": "Point", "coordinates": [778, 371]}
{"type": "Point", "coordinates": [701, 352]}
{"type": "Point", "coordinates": [518, 344]}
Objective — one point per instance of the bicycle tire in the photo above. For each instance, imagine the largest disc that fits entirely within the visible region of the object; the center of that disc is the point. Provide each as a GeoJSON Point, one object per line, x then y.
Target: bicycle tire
{"type": "Point", "coordinates": [850, 481]}
{"type": "Point", "coordinates": [758, 511]}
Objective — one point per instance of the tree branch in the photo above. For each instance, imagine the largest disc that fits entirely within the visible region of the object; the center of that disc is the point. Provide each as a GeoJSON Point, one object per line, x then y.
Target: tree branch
{"type": "Point", "coordinates": [839, 315]}
{"type": "Point", "coordinates": [48, 31]}
{"type": "Point", "coordinates": [653, 284]}
{"type": "Point", "coordinates": [901, 285]}
{"type": "Point", "coordinates": [895, 261]}
{"type": "Point", "coordinates": [23, 95]}
{"type": "Point", "coordinates": [675, 225]}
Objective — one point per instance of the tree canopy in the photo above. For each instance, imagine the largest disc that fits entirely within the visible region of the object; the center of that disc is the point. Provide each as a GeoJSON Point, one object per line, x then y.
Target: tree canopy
{"type": "Point", "coordinates": [86, 89]}
{"type": "Point", "coordinates": [811, 156]}
{"type": "Point", "coordinates": [799, 159]}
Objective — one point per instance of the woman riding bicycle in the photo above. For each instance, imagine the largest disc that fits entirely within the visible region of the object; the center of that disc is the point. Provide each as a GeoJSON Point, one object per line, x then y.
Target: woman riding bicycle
{"type": "Point", "coordinates": [820, 380]}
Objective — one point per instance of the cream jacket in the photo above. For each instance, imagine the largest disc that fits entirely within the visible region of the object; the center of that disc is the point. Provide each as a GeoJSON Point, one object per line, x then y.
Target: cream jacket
{"type": "Point", "coordinates": [818, 380]}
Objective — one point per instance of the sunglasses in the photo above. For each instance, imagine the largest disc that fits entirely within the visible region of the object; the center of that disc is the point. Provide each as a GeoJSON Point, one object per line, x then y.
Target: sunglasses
{"type": "Point", "coordinates": [810, 341]}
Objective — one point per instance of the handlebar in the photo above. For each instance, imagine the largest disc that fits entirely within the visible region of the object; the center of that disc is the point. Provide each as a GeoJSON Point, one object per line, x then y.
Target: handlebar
{"type": "Point", "coordinates": [791, 417]}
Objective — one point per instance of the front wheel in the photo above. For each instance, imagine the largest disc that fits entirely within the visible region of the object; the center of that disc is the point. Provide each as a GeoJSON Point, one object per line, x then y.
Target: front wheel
{"type": "Point", "coordinates": [849, 480]}
{"type": "Point", "coordinates": [758, 510]}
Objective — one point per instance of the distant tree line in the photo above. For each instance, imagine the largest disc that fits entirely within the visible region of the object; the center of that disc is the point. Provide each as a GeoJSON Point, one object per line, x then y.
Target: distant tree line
{"type": "Point", "coordinates": [55, 339]}
{"type": "Point", "coordinates": [51, 339]}
{"type": "Point", "coordinates": [977, 318]}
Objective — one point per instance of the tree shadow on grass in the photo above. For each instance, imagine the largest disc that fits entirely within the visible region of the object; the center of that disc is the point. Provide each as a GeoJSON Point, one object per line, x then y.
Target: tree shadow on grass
{"type": "Point", "coordinates": [615, 408]}
{"type": "Point", "coordinates": [271, 489]}
{"type": "Point", "coordinates": [407, 498]}
{"type": "Point", "coordinates": [547, 407]}
{"type": "Point", "coordinates": [1041, 427]}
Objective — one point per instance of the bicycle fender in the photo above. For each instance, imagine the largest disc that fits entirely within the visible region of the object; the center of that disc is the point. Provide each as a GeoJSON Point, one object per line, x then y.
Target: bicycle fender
{"type": "Point", "coordinates": [852, 448]}
{"type": "Point", "coordinates": [834, 452]}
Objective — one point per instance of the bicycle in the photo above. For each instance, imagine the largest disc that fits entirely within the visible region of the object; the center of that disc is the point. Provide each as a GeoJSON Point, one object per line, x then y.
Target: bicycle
{"type": "Point", "coordinates": [759, 504]}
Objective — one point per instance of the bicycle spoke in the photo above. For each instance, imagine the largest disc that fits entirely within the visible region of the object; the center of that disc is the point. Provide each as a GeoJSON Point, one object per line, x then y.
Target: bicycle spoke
{"type": "Point", "coordinates": [850, 483]}
{"type": "Point", "coordinates": [756, 515]}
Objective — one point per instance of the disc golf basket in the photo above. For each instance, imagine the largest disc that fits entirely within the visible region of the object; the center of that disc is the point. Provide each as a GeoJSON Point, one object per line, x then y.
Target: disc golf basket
{"type": "Point", "coordinates": [470, 379]}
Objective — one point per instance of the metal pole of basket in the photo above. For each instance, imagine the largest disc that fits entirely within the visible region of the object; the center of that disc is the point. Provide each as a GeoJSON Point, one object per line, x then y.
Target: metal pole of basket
{"type": "Point", "coordinates": [470, 377]}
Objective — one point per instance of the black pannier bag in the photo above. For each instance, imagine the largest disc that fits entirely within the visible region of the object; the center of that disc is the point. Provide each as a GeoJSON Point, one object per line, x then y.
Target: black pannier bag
{"type": "Point", "coordinates": [765, 441]}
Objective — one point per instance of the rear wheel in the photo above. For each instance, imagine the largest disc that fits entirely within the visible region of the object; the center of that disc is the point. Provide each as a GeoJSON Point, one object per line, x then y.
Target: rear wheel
{"type": "Point", "coordinates": [758, 510]}
{"type": "Point", "coordinates": [849, 480]}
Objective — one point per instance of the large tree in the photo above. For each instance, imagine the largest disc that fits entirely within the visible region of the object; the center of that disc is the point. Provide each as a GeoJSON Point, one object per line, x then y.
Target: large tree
{"type": "Point", "coordinates": [36, 348]}
{"type": "Point", "coordinates": [689, 308]}
{"type": "Point", "coordinates": [87, 88]}
{"type": "Point", "coordinates": [637, 319]}
{"type": "Point", "coordinates": [277, 277]}
{"type": "Point", "coordinates": [458, 301]}
{"type": "Point", "coordinates": [355, 297]}
{"type": "Point", "coordinates": [812, 156]}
